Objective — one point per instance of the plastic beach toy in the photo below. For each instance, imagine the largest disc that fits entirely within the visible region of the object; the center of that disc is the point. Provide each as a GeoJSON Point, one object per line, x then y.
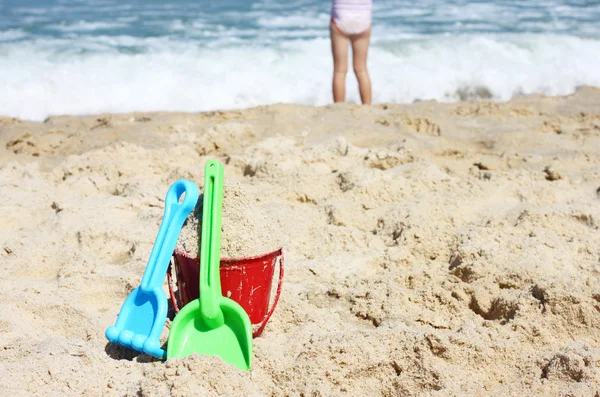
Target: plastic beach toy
{"type": "Point", "coordinates": [246, 280]}
{"type": "Point", "coordinates": [144, 312]}
{"type": "Point", "coordinates": [212, 324]}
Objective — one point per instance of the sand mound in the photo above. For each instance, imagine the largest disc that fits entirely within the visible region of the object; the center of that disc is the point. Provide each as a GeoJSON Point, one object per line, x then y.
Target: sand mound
{"type": "Point", "coordinates": [247, 229]}
{"type": "Point", "coordinates": [195, 375]}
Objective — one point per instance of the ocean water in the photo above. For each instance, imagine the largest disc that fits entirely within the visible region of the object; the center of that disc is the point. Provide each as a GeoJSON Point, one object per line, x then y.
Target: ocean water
{"type": "Point", "coordinates": [91, 56]}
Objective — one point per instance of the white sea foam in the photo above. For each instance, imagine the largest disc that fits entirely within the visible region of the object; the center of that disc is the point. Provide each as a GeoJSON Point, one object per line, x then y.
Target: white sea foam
{"type": "Point", "coordinates": [295, 21]}
{"type": "Point", "coordinates": [12, 34]}
{"type": "Point", "coordinates": [84, 26]}
{"type": "Point", "coordinates": [168, 74]}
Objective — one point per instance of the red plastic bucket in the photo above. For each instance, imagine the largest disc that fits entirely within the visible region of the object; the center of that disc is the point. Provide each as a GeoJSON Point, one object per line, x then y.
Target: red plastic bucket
{"type": "Point", "coordinates": [247, 281]}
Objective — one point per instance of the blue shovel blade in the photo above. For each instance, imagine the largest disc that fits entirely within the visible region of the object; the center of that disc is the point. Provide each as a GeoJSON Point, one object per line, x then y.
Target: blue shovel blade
{"type": "Point", "coordinates": [140, 322]}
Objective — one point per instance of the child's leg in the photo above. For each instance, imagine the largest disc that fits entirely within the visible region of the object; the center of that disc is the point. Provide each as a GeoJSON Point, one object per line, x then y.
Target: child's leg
{"type": "Point", "coordinates": [360, 48]}
{"type": "Point", "coordinates": [339, 49]}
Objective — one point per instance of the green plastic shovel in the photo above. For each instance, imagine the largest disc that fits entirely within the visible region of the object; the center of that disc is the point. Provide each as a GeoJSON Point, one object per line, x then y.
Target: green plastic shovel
{"type": "Point", "coordinates": [212, 324]}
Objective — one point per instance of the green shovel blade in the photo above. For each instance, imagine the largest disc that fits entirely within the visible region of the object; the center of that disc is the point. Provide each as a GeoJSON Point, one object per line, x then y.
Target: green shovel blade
{"type": "Point", "coordinates": [212, 324]}
{"type": "Point", "coordinates": [231, 341]}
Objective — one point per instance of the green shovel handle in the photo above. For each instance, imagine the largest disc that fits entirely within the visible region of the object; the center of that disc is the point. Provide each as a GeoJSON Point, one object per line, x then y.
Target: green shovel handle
{"type": "Point", "coordinates": [210, 245]}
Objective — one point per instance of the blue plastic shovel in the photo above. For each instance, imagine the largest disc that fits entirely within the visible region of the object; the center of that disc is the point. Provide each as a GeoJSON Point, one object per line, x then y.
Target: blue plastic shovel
{"type": "Point", "coordinates": [143, 315]}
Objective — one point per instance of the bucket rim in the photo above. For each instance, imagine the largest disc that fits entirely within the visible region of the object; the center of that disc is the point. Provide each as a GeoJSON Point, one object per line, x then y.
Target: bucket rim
{"type": "Point", "coordinates": [230, 261]}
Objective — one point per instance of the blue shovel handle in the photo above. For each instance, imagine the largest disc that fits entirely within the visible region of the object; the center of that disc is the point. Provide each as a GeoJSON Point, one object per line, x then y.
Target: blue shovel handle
{"type": "Point", "coordinates": [175, 214]}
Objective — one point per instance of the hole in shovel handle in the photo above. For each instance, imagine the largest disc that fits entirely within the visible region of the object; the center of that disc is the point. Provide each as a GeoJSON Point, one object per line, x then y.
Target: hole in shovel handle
{"type": "Point", "coordinates": [170, 283]}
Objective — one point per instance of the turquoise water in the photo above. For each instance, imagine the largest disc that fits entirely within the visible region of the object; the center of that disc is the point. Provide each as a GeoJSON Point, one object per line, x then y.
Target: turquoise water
{"type": "Point", "coordinates": [92, 56]}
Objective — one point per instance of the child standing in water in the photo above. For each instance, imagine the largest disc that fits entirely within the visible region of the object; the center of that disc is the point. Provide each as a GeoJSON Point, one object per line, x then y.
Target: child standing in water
{"type": "Point", "coordinates": [351, 24]}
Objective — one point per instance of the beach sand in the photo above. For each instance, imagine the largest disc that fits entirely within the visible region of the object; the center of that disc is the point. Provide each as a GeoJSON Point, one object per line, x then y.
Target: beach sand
{"type": "Point", "coordinates": [431, 249]}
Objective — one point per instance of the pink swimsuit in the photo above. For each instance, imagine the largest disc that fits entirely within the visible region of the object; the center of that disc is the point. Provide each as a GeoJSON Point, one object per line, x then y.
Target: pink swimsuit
{"type": "Point", "coordinates": [352, 16]}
